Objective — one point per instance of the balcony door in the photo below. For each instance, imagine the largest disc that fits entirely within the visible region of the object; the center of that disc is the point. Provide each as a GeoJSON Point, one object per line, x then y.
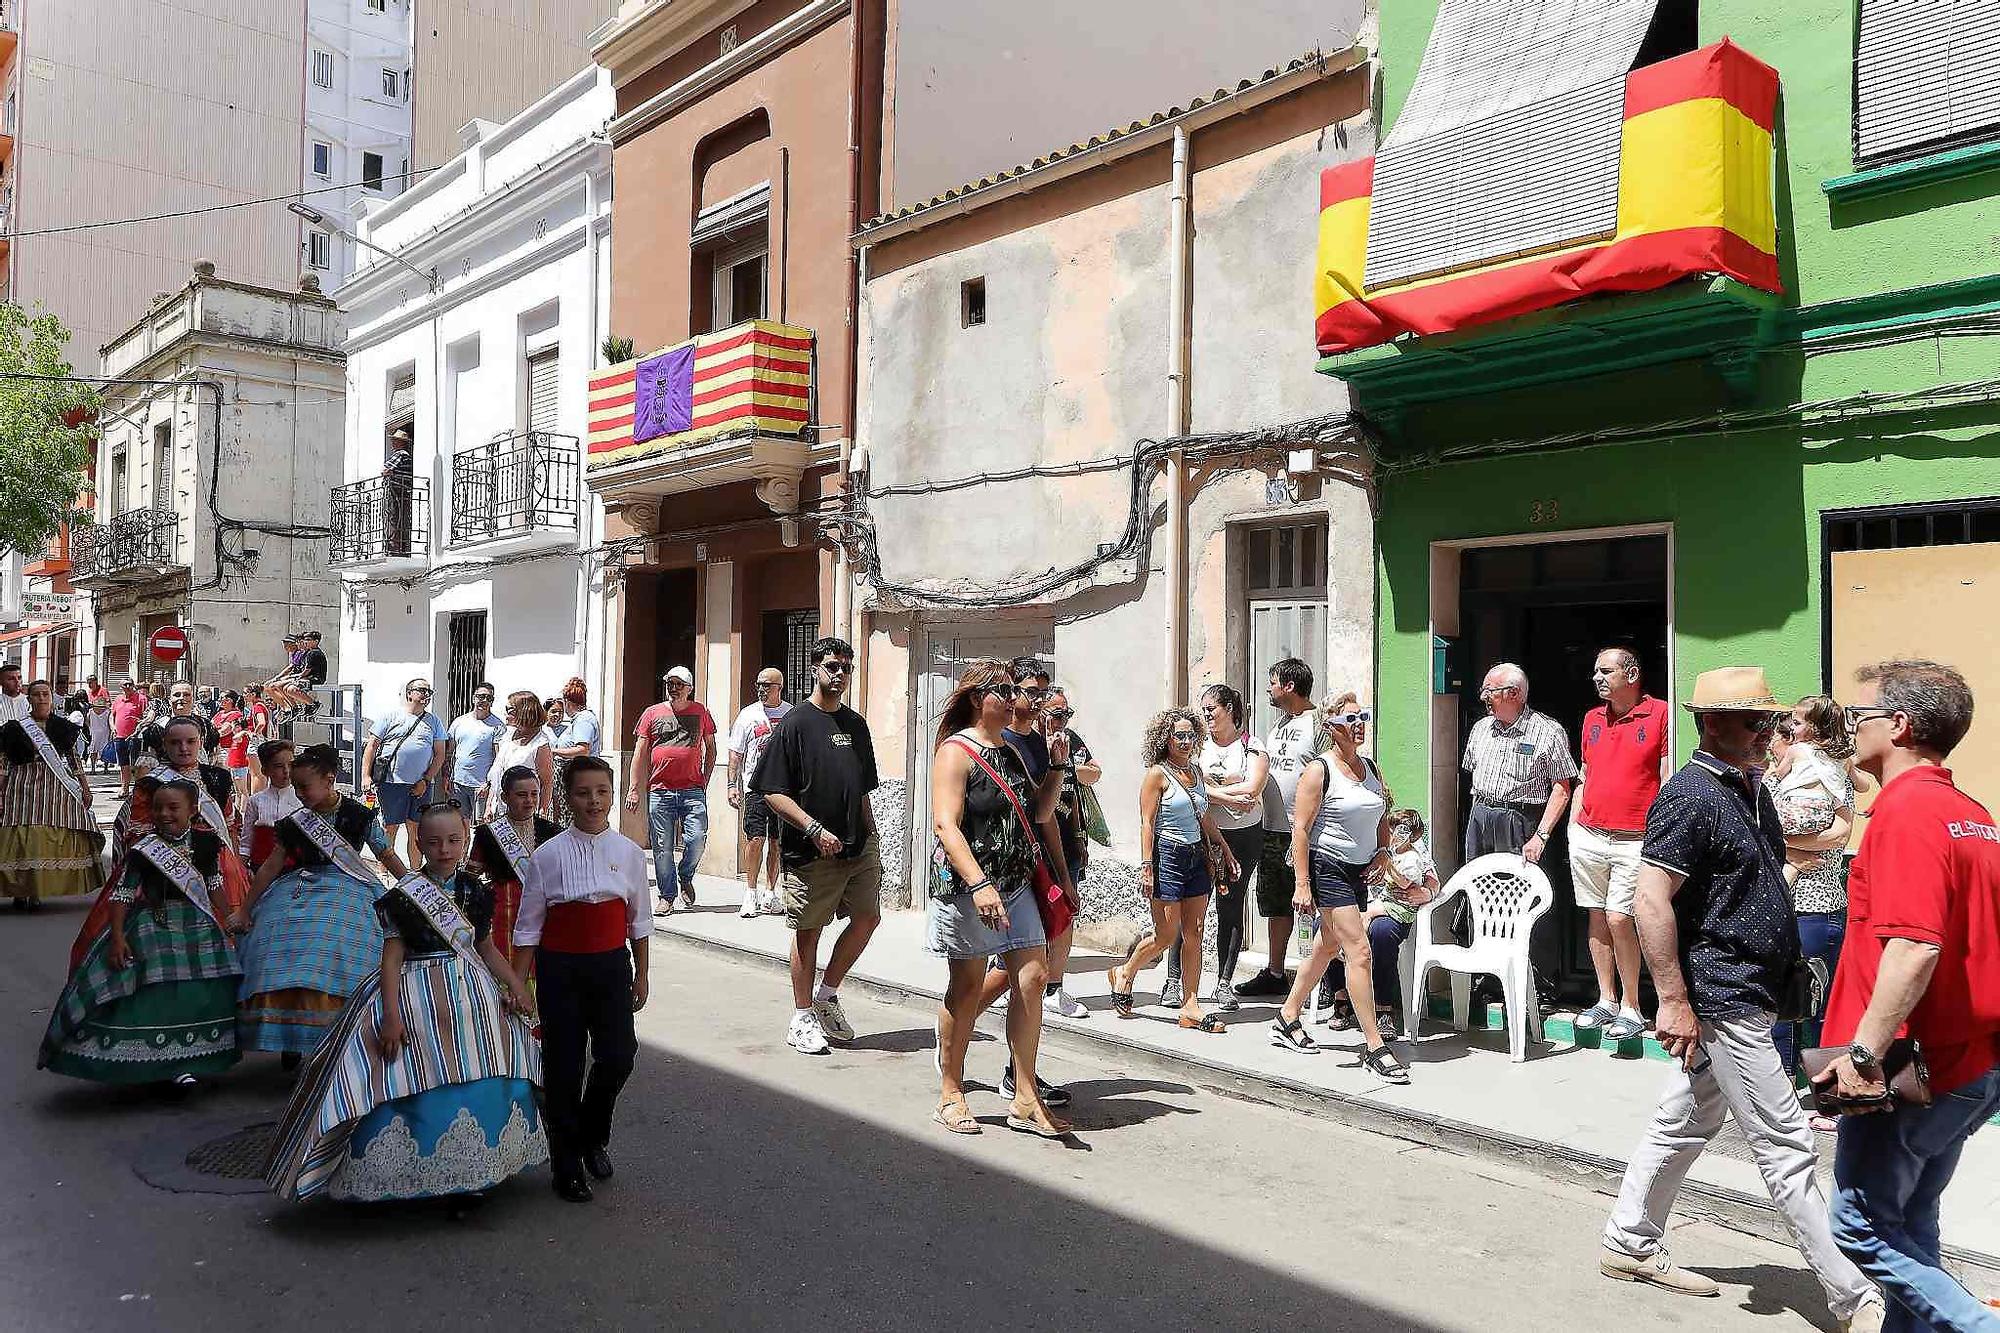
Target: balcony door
{"type": "Point", "coordinates": [163, 466]}
{"type": "Point", "coordinates": [741, 285]}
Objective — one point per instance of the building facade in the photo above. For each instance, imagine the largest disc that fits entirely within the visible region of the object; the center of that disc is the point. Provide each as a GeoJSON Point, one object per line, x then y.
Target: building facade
{"type": "Point", "coordinates": [1716, 386]}
{"type": "Point", "coordinates": [1074, 445]}
{"type": "Point", "coordinates": [219, 435]}
{"type": "Point", "coordinates": [491, 59]}
{"type": "Point", "coordinates": [473, 564]}
{"type": "Point", "coordinates": [359, 69]}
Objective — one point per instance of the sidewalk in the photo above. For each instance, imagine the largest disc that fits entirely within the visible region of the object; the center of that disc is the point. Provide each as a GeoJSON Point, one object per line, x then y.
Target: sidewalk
{"type": "Point", "coordinates": [1571, 1110]}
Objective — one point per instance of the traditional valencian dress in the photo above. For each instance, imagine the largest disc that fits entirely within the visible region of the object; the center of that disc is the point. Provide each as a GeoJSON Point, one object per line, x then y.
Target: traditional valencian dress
{"type": "Point", "coordinates": [172, 1011]}
{"type": "Point", "coordinates": [500, 852]}
{"type": "Point", "coordinates": [135, 822]}
{"type": "Point", "coordinates": [314, 937]}
{"type": "Point", "coordinates": [455, 1111]}
{"type": "Point", "coordinates": [49, 840]}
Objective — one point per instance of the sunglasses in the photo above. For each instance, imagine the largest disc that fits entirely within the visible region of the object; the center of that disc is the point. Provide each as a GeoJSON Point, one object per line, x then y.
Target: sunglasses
{"type": "Point", "coordinates": [482, 698]}
{"type": "Point", "coordinates": [836, 668]}
{"type": "Point", "coordinates": [1006, 692]}
{"type": "Point", "coordinates": [1185, 736]}
{"type": "Point", "coordinates": [1354, 718]}
{"type": "Point", "coordinates": [1061, 715]}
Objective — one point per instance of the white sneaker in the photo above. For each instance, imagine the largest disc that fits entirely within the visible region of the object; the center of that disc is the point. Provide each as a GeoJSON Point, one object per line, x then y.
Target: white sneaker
{"type": "Point", "coordinates": [833, 1019]}
{"type": "Point", "coordinates": [774, 903]}
{"type": "Point", "coordinates": [1065, 1004]}
{"type": "Point", "coordinates": [806, 1035]}
{"type": "Point", "coordinates": [749, 908]}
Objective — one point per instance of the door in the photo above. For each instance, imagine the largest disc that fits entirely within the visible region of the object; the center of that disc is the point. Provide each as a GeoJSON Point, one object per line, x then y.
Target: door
{"type": "Point", "coordinates": [1284, 582]}
{"type": "Point", "coordinates": [1279, 630]}
{"type": "Point", "coordinates": [465, 659]}
{"type": "Point", "coordinates": [949, 649]}
{"type": "Point", "coordinates": [788, 640]}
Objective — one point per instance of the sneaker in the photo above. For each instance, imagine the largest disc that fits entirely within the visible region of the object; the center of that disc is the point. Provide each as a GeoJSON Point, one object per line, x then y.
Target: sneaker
{"type": "Point", "coordinates": [1265, 985]}
{"type": "Point", "coordinates": [1292, 1036]}
{"type": "Point", "coordinates": [1052, 1096]}
{"type": "Point", "coordinates": [833, 1019]}
{"type": "Point", "coordinates": [1060, 1001]}
{"type": "Point", "coordinates": [773, 904]}
{"type": "Point", "coordinates": [1339, 1015]}
{"type": "Point", "coordinates": [1224, 1000]}
{"type": "Point", "coordinates": [1170, 995]}
{"type": "Point", "coordinates": [1658, 1270]}
{"type": "Point", "coordinates": [1867, 1319]}
{"type": "Point", "coordinates": [687, 895]}
{"type": "Point", "coordinates": [1596, 1016]}
{"type": "Point", "coordinates": [751, 906]}
{"type": "Point", "coordinates": [664, 907]}
{"type": "Point", "coordinates": [806, 1035]}
{"type": "Point", "coordinates": [1625, 1027]}
{"type": "Point", "coordinates": [1386, 1023]}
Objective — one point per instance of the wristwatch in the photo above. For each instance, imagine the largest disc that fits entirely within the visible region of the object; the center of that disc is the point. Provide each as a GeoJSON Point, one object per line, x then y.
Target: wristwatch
{"type": "Point", "coordinates": [1861, 1057]}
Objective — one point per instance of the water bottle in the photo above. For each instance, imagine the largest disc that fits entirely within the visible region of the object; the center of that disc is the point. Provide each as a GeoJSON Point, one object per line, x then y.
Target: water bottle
{"type": "Point", "coordinates": [1308, 925]}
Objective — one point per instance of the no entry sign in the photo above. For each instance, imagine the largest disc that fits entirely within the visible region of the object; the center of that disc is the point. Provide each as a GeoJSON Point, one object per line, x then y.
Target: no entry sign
{"type": "Point", "coordinates": [169, 643]}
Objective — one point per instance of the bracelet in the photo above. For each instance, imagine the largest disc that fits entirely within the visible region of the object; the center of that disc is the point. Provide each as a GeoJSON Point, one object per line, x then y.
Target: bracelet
{"type": "Point", "coordinates": [1145, 865]}
{"type": "Point", "coordinates": [814, 829]}
{"type": "Point", "coordinates": [982, 884]}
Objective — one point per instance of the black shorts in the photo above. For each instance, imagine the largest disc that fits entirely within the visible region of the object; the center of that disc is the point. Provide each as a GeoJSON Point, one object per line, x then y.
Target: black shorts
{"type": "Point", "coordinates": [1336, 883]}
{"type": "Point", "coordinates": [758, 821]}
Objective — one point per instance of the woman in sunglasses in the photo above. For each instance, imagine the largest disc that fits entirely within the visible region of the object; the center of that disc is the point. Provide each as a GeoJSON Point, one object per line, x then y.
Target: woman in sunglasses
{"type": "Point", "coordinates": [1340, 833]}
{"type": "Point", "coordinates": [1180, 838]}
{"type": "Point", "coordinates": [527, 744]}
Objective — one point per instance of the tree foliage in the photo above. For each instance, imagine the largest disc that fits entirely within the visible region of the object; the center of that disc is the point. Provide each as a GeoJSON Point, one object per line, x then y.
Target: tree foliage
{"type": "Point", "coordinates": [44, 460]}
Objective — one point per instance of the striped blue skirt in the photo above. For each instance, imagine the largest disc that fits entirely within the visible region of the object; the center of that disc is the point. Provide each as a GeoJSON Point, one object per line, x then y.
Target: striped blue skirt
{"type": "Point", "coordinates": [450, 1140]}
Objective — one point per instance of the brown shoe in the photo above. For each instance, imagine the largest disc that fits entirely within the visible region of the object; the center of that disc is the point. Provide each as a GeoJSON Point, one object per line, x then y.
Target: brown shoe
{"type": "Point", "coordinates": [1658, 1270]}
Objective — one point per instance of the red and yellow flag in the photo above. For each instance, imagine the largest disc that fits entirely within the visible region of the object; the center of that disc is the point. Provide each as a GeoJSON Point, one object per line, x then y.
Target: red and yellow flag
{"type": "Point", "coordinates": [754, 377]}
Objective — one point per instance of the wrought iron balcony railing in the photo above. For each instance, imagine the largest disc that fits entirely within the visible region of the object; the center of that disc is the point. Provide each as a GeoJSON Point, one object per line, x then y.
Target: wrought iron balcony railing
{"type": "Point", "coordinates": [128, 548]}
{"type": "Point", "coordinates": [381, 519]}
{"type": "Point", "coordinates": [513, 486]}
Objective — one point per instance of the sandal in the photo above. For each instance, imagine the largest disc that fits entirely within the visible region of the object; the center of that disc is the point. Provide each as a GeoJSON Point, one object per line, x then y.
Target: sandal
{"type": "Point", "coordinates": [1121, 1000]}
{"type": "Point", "coordinates": [1382, 1062]}
{"type": "Point", "coordinates": [956, 1116]}
{"type": "Point", "coordinates": [1054, 1129]}
{"type": "Point", "coordinates": [1291, 1034]}
{"type": "Point", "coordinates": [1206, 1023]}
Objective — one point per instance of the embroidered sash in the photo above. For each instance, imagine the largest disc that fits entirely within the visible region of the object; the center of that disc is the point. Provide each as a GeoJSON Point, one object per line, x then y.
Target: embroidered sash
{"type": "Point", "coordinates": [325, 837]}
{"type": "Point", "coordinates": [509, 839]}
{"type": "Point", "coordinates": [167, 859]}
{"type": "Point", "coordinates": [47, 752]}
{"type": "Point", "coordinates": [443, 914]}
{"type": "Point", "coordinates": [204, 803]}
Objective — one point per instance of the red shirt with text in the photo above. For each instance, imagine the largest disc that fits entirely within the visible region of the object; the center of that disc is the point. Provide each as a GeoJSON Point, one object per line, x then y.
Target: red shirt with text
{"type": "Point", "coordinates": [677, 742]}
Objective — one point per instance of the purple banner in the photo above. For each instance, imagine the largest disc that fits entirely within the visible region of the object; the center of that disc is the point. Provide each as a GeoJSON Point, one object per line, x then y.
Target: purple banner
{"type": "Point", "coordinates": [663, 395]}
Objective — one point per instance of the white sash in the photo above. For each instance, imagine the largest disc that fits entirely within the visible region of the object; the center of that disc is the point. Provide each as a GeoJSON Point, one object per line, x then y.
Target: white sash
{"type": "Point", "coordinates": [169, 861]}
{"type": "Point", "coordinates": [442, 913]}
{"type": "Point", "coordinates": [325, 837]}
{"type": "Point", "coordinates": [509, 839]}
{"type": "Point", "coordinates": [204, 802]}
{"type": "Point", "coordinates": [54, 761]}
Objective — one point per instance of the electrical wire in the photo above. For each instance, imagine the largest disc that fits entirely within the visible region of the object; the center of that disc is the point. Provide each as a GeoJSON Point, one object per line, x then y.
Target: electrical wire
{"type": "Point", "coordinates": [206, 208]}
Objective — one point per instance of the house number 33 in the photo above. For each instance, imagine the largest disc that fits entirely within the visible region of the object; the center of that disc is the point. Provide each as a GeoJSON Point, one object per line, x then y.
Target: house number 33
{"type": "Point", "coordinates": [1541, 512]}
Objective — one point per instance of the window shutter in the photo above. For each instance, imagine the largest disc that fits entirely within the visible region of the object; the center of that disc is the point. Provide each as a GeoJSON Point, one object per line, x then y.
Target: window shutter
{"type": "Point", "coordinates": [544, 405]}
{"type": "Point", "coordinates": [1508, 143]}
{"type": "Point", "coordinates": [1926, 72]}
{"type": "Point", "coordinates": [402, 400]}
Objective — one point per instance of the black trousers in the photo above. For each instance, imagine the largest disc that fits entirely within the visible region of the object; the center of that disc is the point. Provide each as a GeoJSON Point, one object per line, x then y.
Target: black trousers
{"type": "Point", "coordinates": [586, 1006]}
{"type": "Point", "coordinates": [1498, 828]}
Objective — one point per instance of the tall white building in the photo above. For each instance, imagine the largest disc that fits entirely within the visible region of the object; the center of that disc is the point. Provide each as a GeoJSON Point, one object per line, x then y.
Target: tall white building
{"type": "Point", "coordinates": [358, 83]}
{"type": "Point", "coordinates": [475, 345]}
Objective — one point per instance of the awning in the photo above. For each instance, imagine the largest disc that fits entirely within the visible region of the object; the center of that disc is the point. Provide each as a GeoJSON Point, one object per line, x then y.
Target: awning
{"type": "Point", "coordinates": [1508, 142]}
{"type": "Point", "coordinates": [29, 632]}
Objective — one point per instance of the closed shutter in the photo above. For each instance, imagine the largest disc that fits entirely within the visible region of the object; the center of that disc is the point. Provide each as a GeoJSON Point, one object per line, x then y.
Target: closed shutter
{"type": "Point", "coordinates": [117, 660]}
{"type": "Point", "coordinates": [544, 405]}
{"type": "Point", "coordinates": [402, 399]}
{"type": "Point", "coordinates": [1926, 74]}
{"type": "Point", "coordinates": [1509, 141]}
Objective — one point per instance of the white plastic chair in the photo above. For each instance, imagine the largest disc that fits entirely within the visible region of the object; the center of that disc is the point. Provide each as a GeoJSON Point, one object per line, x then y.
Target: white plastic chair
{"type": "Point", "coordinates": [1507, 896]}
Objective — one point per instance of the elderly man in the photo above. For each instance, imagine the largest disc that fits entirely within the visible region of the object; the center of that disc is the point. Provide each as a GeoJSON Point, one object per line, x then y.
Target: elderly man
{"type": "Point", "coordinates": [1521, 771]}
{"type": "Point", "coordinates": [1716, 925]}
{"type": "Point", "coordinates": [1922, 957]}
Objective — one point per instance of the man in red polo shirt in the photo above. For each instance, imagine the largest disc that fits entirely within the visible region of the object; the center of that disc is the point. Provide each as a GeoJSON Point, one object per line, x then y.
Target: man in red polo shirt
{"type": "Point", "coordinates": [1921, 959]}
{"type": "Point", "coordinates": [1624, 746]}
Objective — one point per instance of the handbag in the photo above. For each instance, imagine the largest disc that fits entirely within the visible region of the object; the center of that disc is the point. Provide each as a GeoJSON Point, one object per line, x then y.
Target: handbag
{"type": "Point", "coordinates": [1050, 900]}
{"type": "Point", "coordinates": [384, 767]}
{"type": "Point", "coordinates": [1903, 1069]}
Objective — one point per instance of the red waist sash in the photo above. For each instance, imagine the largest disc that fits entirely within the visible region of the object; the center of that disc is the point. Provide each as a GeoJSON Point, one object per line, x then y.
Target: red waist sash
{"type": "Point", "coordinates": [584, 927]}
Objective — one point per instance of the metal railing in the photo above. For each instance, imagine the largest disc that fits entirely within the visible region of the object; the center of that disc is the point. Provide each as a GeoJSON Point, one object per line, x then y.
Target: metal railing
{"type": "Point", "coordinates": [513, 485]}
{"type": "Point", "coordinates": [382, 518]}
{"type": "Point", "coordinates": [136, 544]}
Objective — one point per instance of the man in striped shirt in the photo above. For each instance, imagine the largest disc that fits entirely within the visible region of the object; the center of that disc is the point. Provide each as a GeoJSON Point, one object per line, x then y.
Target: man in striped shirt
{"type": "Point", "coordinates": [1521, 770]}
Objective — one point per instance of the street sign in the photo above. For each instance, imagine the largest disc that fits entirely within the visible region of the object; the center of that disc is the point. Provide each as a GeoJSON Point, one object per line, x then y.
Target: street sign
{"type": "Point", "coordinates": [48, 605]}
{"type": "Point", "coordinates": [169, 643]}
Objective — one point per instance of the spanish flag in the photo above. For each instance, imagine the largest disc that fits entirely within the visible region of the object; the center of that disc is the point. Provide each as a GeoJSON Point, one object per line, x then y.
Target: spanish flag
{"type": "Point", "coordinates": [1694, 196]}
{"type": "Point", "coordinates": [752, 378]}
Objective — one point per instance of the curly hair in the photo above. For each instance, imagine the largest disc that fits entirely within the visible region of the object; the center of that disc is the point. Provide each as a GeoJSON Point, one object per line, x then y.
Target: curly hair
{"type": "Point", "coordinates": [1153, 746]}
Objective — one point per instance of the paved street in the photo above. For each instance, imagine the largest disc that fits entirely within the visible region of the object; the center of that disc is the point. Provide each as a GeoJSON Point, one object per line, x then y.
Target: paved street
{"type": "Point", "coordinates": [758, 1188]}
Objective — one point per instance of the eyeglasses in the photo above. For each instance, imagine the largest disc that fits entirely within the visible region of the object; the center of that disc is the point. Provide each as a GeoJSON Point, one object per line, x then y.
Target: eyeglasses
{"type": "Point", "coordinates": [421, 689]}
{"type": "Point", "coordinates": [770, 684]}
{"type": "Point", "coordinates": [1856, 714]}
{"type": "Point", "coordinates": [1496, 691]}
{"type": "Point", "coordinates": [1033, 691]}
{"type": "Point", "coordinates": [1061, 715]}
{"type": "Point", "coordinates": [1763, 723]}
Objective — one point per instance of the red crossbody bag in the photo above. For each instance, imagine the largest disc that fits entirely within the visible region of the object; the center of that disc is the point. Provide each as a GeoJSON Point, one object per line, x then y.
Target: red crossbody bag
{"type": "Point", "coordinates": [1050, 900]}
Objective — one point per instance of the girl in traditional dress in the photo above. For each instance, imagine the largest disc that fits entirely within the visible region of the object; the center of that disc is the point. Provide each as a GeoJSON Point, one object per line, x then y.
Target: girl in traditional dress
{"type": "Point", "coordinates": [49, 840]}
{"type": "Point", "coordinates": [154, 999]}
{"type": "Point", "coordinates": [501, 848]}
{"type": "Point", "coordinates": [313, 937]}
{"type": "Point", "coordinates": [426, 1089]}
{"type": "Point", "coordinates": [269, 804]}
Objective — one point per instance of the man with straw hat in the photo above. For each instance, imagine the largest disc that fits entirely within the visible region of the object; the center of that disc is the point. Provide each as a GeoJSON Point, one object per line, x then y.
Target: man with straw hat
{"type": "Point", "coordinates": [1716, 925]}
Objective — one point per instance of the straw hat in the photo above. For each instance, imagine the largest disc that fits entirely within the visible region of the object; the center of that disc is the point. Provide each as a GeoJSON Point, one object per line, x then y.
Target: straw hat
{"type": "Point", "coordinates": [1733, 690]}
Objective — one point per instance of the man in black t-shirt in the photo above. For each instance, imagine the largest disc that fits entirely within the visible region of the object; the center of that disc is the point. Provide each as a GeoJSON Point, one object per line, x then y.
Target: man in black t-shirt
{"type": "Point", "coordinates": [816, 774]}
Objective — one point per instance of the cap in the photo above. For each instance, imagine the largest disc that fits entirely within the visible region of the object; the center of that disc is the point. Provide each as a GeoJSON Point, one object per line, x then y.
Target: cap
{"type": "Point", "coordinates": [312, 634]}
{"type": "Point", "coordinates": [683, 675]}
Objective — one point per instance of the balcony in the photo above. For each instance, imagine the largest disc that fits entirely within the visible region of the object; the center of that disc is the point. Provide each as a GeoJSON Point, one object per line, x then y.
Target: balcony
{"type": "Point", "coordinates": [514, 493]}
{"type": "Point", "coordinates": [135, 547]}
{"type": "Point", "coordinates": [1690, 270]}
{"type": "Point", "coordinates": [737, 405]}
{"type": "Point", "coordinates": [382, 524]}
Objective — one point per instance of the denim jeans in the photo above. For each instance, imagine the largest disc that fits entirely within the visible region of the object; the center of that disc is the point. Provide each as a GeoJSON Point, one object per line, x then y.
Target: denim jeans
{"type": "Point", "coordinates": [1820, 936]}
{"type": "Point", "coordinates": [1889, 1172]}
{"type": "Point", "coordinates": [668, 812]}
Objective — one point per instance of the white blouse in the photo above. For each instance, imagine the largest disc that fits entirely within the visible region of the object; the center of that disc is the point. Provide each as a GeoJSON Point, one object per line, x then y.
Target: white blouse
{"type": "Point", "coordinates": [579, 867]}
{"type": "Point", "coordinates": [510, 753]}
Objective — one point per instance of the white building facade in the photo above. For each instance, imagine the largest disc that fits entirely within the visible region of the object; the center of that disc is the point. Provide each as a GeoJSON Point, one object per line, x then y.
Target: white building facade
{"type": "Point", "coordinates": [358, 121]}
{"type": "Point", "coordinates": [472, 350]}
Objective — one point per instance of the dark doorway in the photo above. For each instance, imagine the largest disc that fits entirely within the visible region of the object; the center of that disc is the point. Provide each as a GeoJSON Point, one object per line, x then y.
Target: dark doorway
{"type": "Point", "coordinates": [1551, 607]}
{"type": "Point", "coordinates": [465, 663]}
{"type": "Point", "coordinates": [673, 627]}
{"type": "Point", "coordinates": [788, 641]}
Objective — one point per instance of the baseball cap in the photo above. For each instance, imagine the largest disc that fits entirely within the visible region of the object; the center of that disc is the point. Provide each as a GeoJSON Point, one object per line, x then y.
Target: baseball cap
{"type": "Point", "coordinates": [683, 675]}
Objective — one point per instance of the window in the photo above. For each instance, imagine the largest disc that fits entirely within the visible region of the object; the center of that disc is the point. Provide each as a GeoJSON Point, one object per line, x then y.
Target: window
{"type": "Point", "coordinates": [465, 663]}
{"type": "Point", "coordinates": [739, 283]}
{"type": "Point", "coordinates": [1286, 560]}
{"type": "Point", "coordinates": [163, 465]}
{"type": "Point", "coordinates": [117, 495]}
{"type": "Point", "coordinates": [1926, 76]}
{"type": "Point", "coordinates": [1285, 603]}
{"type": "Point", "coordinates": [319, 249]}
{"type": "Point", "coordinates": [544, 380]}
{"type": "Point", "coordinates": [371, 171]}
{"type": "Point", "coordinates": [408, 76]}
{"type": "Point", "coordinates": [323, 161]}
{"type": "Point", "coordinates": [971, 303]}
{"type": "Point", "coordinates": [378, 6]}
{"type": "Point", "coordinates": [322, 69]}
{"type": "Point", "coordinates": [391, 84]}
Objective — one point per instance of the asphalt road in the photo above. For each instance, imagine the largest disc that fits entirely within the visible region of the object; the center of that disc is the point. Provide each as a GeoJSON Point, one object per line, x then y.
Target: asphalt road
{"type": "Point", "coordinates": [758, 1188]}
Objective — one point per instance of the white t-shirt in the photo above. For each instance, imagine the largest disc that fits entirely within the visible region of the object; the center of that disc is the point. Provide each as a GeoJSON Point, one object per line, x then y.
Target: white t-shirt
{"type": "Point", "coordinates": [510, 753]}
{"type": "Point", "coordinates": [1292, 744]}
{"type": "Point", "coordinates": [1224, 765]}
{"type": "Point", "coordinates": [751, 732]}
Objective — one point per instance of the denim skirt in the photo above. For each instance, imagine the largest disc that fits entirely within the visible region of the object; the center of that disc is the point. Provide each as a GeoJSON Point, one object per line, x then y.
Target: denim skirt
{"type": "Point", "coordinates": [1180, 870]}
{"type": "Point", "coordinates": [954, 930]}
{"type": "Point", "coordinates": [1335, 883]}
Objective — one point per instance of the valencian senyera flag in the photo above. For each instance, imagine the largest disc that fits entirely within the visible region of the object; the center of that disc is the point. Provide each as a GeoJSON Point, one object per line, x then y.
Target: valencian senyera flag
{"type": "Point", "coordinates": [1694, 197]}
{"type": "Point", "coordinates": [751, 377]}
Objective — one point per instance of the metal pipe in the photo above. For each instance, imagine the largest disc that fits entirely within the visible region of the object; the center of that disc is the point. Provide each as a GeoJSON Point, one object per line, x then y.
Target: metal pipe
{"type": "Point", "coordinates": [586, 536]}
{"type": "Point", "coordinates": [1178, 321]}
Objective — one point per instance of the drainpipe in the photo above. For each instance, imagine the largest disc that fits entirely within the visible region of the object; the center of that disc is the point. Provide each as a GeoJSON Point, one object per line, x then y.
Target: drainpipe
{"type": "Point", "coordinates": [843, 587]}
{"type": "Point", "coordinates": [586, 537]}
{"type": "Point", "coordinates": [1180, 235]}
